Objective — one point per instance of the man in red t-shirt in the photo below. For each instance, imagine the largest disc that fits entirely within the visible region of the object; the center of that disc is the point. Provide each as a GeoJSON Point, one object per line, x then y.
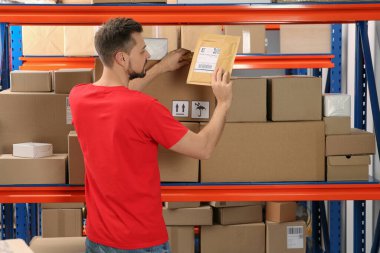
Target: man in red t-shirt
{"type": "Point", "coordinates": [119, 129]}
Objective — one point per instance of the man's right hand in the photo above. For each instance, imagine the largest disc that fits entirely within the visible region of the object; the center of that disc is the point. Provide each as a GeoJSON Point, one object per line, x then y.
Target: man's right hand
{"type": "Point", "coordinates": [222, 87]}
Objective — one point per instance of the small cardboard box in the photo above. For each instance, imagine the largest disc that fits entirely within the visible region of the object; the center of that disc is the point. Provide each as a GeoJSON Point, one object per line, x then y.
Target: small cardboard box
{"type": "Point", "coordinates": [286, 237]}
{"type": "Point", "coordinates": [65, 79]}
{"type": "Point", "coordinates": [79, 40]}
{"type": "Point", "coordinates": [188, 216]}
{"type": "Point", "coordinates": [58, 245]}
{"type": "Point", "coordinates": [249, 100]}
{"type": "Point", "coordinates": [176, 205]}
{"type": "Point", "coordinates": [32, 150]}
{"type": "Point", "coordinates": [191, 33]}
{"type": "Point", "coordinates": [62, 222]}
{"type": "Point", "coordinates": [305, 39]}
{"type": "Point", "coordinates": [47, 170]}
{"type": "Point", "coordinates": [337, 125]}
{"type": "Point", "coordinates": [336, 105]}
{"type": "Point", "coordinates": [42, 40]}
{"type": "Point", "coordinates": [31, 81]}
{"type": "Point", "coordinates": [69, 205]}
{"type": "Point", "coordinates": [233, 238]}
{"type": "Point", "coordinates": [181, 239]}
{"type": "Point", "coordinates": [281, 211]}
{"type": "Point", "coordinates": [14, 246]}
{"type": "Point", "coordinates": [239, 215]}
{"type": "Point", "coordinates": [76, 161]}
{"type": "Point", "coordinates": [347, 168]}
{"type": "Point", "coordinates": [358, 142]}
{"type": "Point", "coordinates": [233, 204]}
{"type": "Point", "coordinates": [171, 33]}
{"type": "Point", "coordinates": [252, 38]}
{"type": "Point", "coordinates": [294, 98]}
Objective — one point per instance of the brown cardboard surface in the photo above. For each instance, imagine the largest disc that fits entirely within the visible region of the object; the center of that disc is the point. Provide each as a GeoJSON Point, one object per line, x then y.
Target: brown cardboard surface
{"type": "Point", "coordinates": [47, 170]}
{"type": "Point", "coordinates": [31, 81]}
{"type": "Point", "coordinates": [278, 238]}
{"type": "Point", "coordinates": [347, 168]}
{"type": "Point", "coordinates": [239, 215]}
{"type": "Point", "coordinates": [171, 86]}
{"type": "Point", "coordinates": [233, 204]}
{"type": "Point", "coordinates": [191, 33]}
{"type": "Point", "coordinates": [176, 205]}
{"type": "Point", "coordinates": [79, 40]}
{"type": "Point", "coordinates": [76, 161]}
{"type": "Point", "coordinates": [34, 117]}
{"type": "Point", "coordinates": [42, 40]}
{"type": "Point", "coordinates": [61, 222]}
{"type": "Point", "coordinates": [181, 239]}
{"type": "Point", "coordinates": [281, 211]}
{"type": "Point", "coordinates": [169, 32]}
{"type": "Point", "coordinates": [357, 143]}
{"type": "Point", "coordinates": [294, 98]}
{"type": "Point", "coordinates": [254, 152]}
{"type": "Point", "coordinates": [249, 101]}
{"type": "Point", "coordinates": [70, 205]}
{"type": "Point", "coordinates": [65, 79]}
{"type": "Point", "coordinates": [58, 245]}
{"type": "Point", "coordinates": [14, 246]}
{"type": "Point", "coordinates": [337, 125]}
{"type": "Point", "coordinates": [305, 39]}
{"type": "Point", "coordinates": [246, 238]}
{"type": "Point", "coordinates": [127, 1]}
{"type": "Point", "coordinates": [98, 70]}
{"type": "Point", "coordinates": [252, 37]}
{"type": "Point", "coordinates": [188, 216]}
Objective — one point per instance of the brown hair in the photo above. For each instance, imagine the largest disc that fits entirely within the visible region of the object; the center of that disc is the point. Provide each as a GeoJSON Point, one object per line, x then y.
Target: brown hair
{"type": "Point", "coordinates": [115, 35]}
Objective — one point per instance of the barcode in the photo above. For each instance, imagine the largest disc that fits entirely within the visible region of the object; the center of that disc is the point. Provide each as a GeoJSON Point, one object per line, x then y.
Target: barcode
{"type": "Point", "coordinates": [295, 230]}
{"type": "Point", "coordinates": [205, 66]}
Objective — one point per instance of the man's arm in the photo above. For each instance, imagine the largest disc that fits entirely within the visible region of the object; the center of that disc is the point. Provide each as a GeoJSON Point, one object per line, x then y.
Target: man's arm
{"type": "Point", "coordinates": [172, 61]}
{"type": "Point", "coordinates": [201, 145]}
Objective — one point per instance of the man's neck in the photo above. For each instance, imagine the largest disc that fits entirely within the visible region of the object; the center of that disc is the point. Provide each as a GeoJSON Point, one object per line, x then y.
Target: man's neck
{"type": "Point", "coordinates": [112, 78]}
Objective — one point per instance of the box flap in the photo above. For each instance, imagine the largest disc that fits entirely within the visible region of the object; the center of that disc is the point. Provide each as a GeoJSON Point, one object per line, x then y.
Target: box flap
{"type": "Point", "coordinates": [348, 160]}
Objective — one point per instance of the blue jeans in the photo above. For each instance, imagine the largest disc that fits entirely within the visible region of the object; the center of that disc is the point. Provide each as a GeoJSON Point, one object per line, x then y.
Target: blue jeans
{"type": "Point", "coordinates": [92, 247]}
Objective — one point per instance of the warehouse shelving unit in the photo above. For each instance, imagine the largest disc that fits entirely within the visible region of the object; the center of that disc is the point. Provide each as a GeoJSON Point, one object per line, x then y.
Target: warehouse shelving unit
{"type": "Point", "coordinates": [270, 14]}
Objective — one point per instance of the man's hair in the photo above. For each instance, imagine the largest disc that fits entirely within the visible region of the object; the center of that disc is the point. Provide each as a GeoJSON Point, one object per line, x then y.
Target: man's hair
{"type": "Point", "coordinates": [115, 35]}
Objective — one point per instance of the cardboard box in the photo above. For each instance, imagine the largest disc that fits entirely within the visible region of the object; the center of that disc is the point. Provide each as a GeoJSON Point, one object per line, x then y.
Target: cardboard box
{"type": "Point", "coordinates": [127, 1]}
{"type": "Point", "coordinates": [249, 101]}
{"type": "Point", "coordinates": [286, 237]}
{"type": "Point", "coordinates": [185, 102]}
{"type": "Point", "coordinates": [76, 1]}
{"type": "Point", "coordinates": [47, 170]}
{"type": "Point", "coordinates": [191, 33]}
{"type": "Point", "coordinates": [37, 117]}
{"type": "Point", "coordinates": [252, 38]}
{"type": "Point", "coordinates": [281, 211]}
{"type": "Point", "coordinates": [233, 204]}
{"type": "Point", "coordinates": [336, 105]}
{"type": "Point", "coordinates": [79, 40]}
{"type": "Point", "coordinates": [239, 215]}
{"type": "Point", "coordinates": [348, 168]}
{"type": "Point", "coordinates": [188, 216]}
{"type": "Point", "coordinates": [32, 150]}
{"type": "Point", "coordinates": [358, 142]}
{"type": "Point", "coordinates": [69, 205]}
{"type": "Point", "coordinates": [66, 79]}
{"type": "Point", "coordinates": [76, 160]}
{"type": "Point", "coordinates": [337, 125]}
{"type": "Point", "coordinates": [31, 81]}
{"type": "Point", "coordinates": [294, 98]}
{"type": "Point", "coordinates": [14, 246]}
{"type": "Point", "coordinates": [267, 152]}
{"type": "Point", "coordinates": [176, 205]}
{"type": "Point", "coordinates": [171, 33]}
{"type": "Point", "coordinates": [58, 245]}
{"type": "Point", "coordinates": [305, 39]}
{"type": "Point", "coordinates": [61, 222]}
{"type": "Point", "coordinates": [233, 238]}
{"type": "Point", "coordinates": [42, 40]}
{"type": "Point", "coordinates": [181, 239]}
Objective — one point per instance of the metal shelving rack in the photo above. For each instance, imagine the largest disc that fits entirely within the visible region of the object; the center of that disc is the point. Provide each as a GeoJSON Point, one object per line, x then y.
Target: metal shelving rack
{"type": "Point", "coordinates": [270, 14]}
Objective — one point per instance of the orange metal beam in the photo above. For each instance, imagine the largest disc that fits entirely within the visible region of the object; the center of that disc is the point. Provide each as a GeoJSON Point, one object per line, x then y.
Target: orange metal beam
{"type": "Point", "coordinates": [54, 63]}
{"type": "Point", "coordinates": [273, 192]}
{"type": "Point", "coordinates": [191, 14]}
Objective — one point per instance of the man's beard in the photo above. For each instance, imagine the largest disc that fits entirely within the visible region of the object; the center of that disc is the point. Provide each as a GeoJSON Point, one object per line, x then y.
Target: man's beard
{"type": "Point", "coordinates": [135, 75]}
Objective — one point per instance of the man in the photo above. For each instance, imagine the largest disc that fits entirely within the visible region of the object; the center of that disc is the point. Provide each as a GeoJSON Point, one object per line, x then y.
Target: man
{"type": "Point", "coordinates": [119, 130]}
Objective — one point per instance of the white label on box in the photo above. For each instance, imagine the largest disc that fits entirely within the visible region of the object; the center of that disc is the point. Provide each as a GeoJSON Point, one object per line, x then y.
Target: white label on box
{"type": "Point", "coordinates": [207, 59]}
{"type": "Point", "coordinates": [69, 117]}
{"type": "Point", "coordinates": [246, 42]}
{"type": "Point", "coordinates": [200, 109]}
{"type": "Point", "coordinates": [180, 109]}
{"type": "Point", "coordinates": [295, 237]}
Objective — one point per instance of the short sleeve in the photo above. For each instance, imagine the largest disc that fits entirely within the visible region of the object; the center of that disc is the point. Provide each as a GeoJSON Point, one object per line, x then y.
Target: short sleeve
{"type": "Point", "coordinates": [162, 127]}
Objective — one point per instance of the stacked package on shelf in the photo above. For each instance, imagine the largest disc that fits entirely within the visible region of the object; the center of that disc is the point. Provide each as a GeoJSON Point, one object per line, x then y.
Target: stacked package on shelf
{"type": "Point", "coordinates": [347, 150]}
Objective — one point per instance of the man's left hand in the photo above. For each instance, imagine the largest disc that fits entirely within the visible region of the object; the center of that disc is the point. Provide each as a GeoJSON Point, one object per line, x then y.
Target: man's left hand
{"type": "Point", "coordinates": [175, 60]}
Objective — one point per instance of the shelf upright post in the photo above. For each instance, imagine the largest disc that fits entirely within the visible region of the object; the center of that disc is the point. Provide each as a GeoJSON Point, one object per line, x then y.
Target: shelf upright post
{"type": "Point", "coordinates": [16, 46]}
{"type": "Point", "coordinates": [4, 56]}
{"type": "Point", "coordinates": [7, 221]}
{"type": "Point", "coordinates": [33, 219]}
{"type": "Point", "coordinates": [22, 224]}
{"type": "Point", "coordinates": [376, 239]}
{"type": "Point", "coordinates": [316, 227]}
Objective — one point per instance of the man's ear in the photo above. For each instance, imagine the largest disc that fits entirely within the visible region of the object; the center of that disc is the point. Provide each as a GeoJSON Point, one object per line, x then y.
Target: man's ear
{"type": "Point", "coordinates": [122, 59]}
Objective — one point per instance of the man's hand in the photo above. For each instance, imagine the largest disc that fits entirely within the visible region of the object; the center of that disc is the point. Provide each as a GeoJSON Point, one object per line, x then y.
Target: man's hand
{"type": "Point", "coordinates": [222, 87]}
{"type": "Point", "coordinates": [175, 60]}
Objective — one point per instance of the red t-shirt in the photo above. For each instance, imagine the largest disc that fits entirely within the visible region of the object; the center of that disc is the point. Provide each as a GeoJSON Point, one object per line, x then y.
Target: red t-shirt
{"type": "Point", "coordinates": [119, 131]}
